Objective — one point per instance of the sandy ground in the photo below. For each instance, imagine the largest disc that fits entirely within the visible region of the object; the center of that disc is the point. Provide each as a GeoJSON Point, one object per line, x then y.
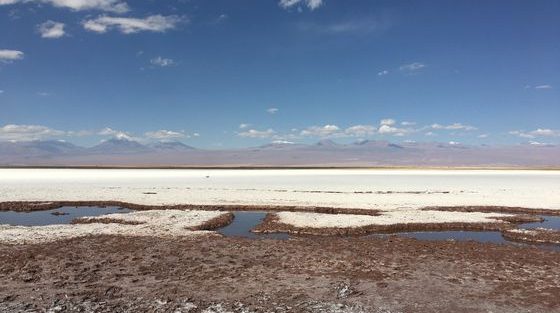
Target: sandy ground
{"type": "Point", "coordinates": [215, 274]}
{"type": "Point", "coordinates": [339, 188]}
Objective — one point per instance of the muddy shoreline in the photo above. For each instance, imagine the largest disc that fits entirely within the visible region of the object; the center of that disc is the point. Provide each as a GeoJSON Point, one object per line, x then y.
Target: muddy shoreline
{"type": "Point", "coordinates": [30, 206]}
{"type": "Point", "coordinates": [326, 274]}
{"type": "Point", "coordinates": [534, 235]}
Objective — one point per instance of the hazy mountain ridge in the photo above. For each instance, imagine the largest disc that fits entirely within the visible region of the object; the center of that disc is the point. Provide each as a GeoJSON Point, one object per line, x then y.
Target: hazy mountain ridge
{"type": "Point", "coordinates": [122, 152]}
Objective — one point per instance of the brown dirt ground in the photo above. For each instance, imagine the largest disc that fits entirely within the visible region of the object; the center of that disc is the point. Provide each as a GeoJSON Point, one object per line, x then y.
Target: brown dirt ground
{"type": "Point", "coordinates": [311, 274]}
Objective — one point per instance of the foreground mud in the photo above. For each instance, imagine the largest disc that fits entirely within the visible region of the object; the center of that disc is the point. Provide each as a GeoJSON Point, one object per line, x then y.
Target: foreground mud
{"type": "Point", "coordinates": [315, 274]}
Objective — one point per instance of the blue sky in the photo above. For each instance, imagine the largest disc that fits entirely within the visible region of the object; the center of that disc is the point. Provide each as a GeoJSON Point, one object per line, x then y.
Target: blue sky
{"type": "Point", "coordinates": [221, 74]}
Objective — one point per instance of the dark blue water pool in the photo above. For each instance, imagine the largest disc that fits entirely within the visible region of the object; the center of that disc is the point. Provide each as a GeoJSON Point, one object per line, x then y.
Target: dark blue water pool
{"type": "Point", "coordinates": [63, 215]}
{"type": "Point", "coordinates": [244, 222]}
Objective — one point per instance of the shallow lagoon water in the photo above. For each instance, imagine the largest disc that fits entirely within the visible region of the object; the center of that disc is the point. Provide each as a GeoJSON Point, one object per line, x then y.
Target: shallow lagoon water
{"type": "Point", "coordinates": [63, 215]}
{"type": "Point", "coordinates": [244, 221]}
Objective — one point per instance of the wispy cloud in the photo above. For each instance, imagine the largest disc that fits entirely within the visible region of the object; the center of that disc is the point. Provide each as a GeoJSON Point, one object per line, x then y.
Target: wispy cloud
{"type": "Point", "coordinates": [162, 62]}
{"type": "Point", "coordinates": [115, 6]}
{"type": "Point", "coordinates": [412, 67]}
{"type": "Point", "coordinates": [51, 29]}
{"type": "Point", "coordinates": [253, 133]}
{"type": "Point", "coordinates": [163, 134]}
{"type": "Point", "coordinates": [383, 73]}
{"type": "Point", "coordinates": [360, 25]}
{"type": "Point", "coordinates": [130, 25]}
{"type": "Point", "coordinates": [454, 126]}
{"type": "Point", "coordinates": [8, 56]}
{"type": "Point", "coordinates": [543, 87]}
{"type": "Point", "coordinates": [539, 132]}
{"type": "Point", "coordinates": [14, 132]}
{"type": "Point", "coordinates": [311, 4]}
{"type": "Point", "coordinates": [243, 125]}
{"type": "Point", "coordinates": [272, 110]}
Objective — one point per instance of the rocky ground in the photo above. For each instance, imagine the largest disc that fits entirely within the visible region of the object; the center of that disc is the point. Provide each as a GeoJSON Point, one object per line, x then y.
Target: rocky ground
{"type": "Point", "coordinates": [311, 274]}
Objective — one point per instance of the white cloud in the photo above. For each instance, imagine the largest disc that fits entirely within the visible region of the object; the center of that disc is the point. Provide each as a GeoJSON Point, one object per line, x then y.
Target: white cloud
{"type": "Point", "coordinates": [253, 133]}
{"type": "Point", "coordinates": [165, 134]}
{"type": "Point", "coordinates": [14, 132]}
{"type": "Point", "coordinates": [243, 125]}
{"type": "Point", "coordinates": [521, 134]}
{"type": "Point", "coordinates": [115, 6]}
{"type": "Point", "coordinates": [454, 126]}
{"type": "Point", "coordinates": [320, 131]}
{"type": "Point", "coordinates": [405, 123]}
{"type": "Point", "coordinates": [162, 62]}
{"type": "Point", "coordinates": [51, 29]}
{"type": "Point", "coordinates": [119, 134]}
{"type": "Point", "coordinates": [387, 121]}
{"type": "Point", "coordinates": [8, 56]}
{"type": "Point", "coordinates": [539, 132]}
{"type": "Point", "coordinates": [360, 130]}
{"type": "Point", "coordinates": [483, 136]}
{"type": "Point", "coordinates": [311, 4]}
{"type": "Point", "coordinates": [412, 67]}
{"type": "Point", "coordinates": [383, 73]}
{"type": "Point", "coordinates": [129, 25]}
{"type": "Point", "coordinates": [454, 143]}
{"type": "Point", "coordinates": [543, 87]}
{"type": "Point", "coordinates": [391, 130]}
{"type": "Point", "coordinates": [272, 110]}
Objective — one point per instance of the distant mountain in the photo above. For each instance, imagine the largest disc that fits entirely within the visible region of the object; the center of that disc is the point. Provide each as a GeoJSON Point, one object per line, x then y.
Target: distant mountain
{"type": "Point", "coordinates": [119, 146]}
{"type": "Point", "coordinates": [281, 144]}
{"type": "Point", "coordinates": [38, 148]}
{"type": "Point", "coordinates": [327, 143]}
{"type": "Point", "coordinates": [123, 152]}
{"type": "Point", "coordinates": [377, 144]}
{"type": "Point", "coordinates": [170, 146]}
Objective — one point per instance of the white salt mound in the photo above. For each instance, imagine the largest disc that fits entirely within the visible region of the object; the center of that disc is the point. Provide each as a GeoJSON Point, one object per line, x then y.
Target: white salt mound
{"type": "Point", "coordinates": [158, 223]}
{"type": "Point", "coordinates": [319, 220]}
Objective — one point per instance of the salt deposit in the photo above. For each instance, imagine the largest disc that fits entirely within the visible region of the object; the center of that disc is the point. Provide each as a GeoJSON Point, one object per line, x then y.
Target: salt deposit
{"type": "Point", "coordinates": [161, 223]}
{"type": "Point", "coordinates": [318, 220]}
{"type": "Point", "coordinates": [341, 188]}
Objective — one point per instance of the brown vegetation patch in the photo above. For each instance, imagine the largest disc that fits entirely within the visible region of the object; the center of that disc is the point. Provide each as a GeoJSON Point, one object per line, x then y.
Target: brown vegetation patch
{"type": "Point", "coordinates": [493, 209]}
{"type": "Point", "coordinates": [393, 274]}
{"type": "Point", "coordinates": [215, 223]}
{"type": "Point", "coordinates": [533, 235]}
{"type": "Point", "coordinates": [272, 224]}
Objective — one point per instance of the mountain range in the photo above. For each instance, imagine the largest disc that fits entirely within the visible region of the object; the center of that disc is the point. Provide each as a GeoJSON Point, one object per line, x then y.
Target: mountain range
{"type": "Point", "coordinates": [123, 152]}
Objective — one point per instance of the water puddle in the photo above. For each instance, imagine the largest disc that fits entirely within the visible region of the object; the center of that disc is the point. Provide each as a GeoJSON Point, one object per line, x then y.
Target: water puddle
{"type": "Point", "coordinates": [63, 215]}
{"type": "Point", "coordinates": [552, 222]}
{"type": "Point", "coordinates": [242, 224]}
